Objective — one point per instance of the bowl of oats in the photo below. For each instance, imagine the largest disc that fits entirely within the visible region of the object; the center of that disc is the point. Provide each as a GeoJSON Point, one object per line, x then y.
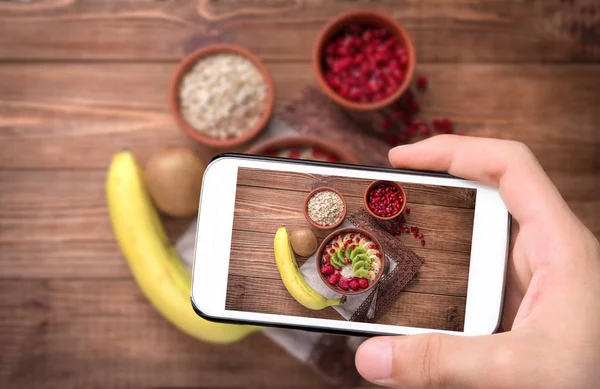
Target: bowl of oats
{"type": "Point", "coordinates": [325, 208]}
{"type": "Point", "coordinates": [222, 96]}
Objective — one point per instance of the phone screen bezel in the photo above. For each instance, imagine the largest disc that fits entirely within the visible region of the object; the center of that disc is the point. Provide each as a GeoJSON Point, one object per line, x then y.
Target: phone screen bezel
{"type": "Point", "coordinates": [214, 227]}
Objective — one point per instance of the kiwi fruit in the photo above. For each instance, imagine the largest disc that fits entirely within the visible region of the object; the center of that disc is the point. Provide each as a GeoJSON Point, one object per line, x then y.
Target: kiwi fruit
{"type": "Point", "coordinates": [174, 179]}
{"type": "Point", "coordinates": [304, 242]}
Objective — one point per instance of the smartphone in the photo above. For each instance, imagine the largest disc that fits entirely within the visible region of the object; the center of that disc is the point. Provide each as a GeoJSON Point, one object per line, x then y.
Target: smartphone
{"type": "Point", "coordinates": [439, 266]}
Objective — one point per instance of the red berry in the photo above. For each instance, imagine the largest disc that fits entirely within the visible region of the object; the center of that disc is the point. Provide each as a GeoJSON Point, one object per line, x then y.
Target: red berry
{"type": "Point", "coordinates": [344, 283]}
{"type": "Point", "coordinates": [363, 283]}
{"type": "Point", "coordinates": [327, 270]}
{"type": "Point", "coordinates": [353, 284]}
{"type": "Point", "coordinates": [334, 278]}
{"type": "Point", "coordinates": [422, 242]}
{"type": "Point", "coordinates": [407, 211]}
{"type": "Point", "coordinates": [414, 107]}
{"type": "Point", "coordinates": [391, 139]}
{"type": "Point", "coordinates": [422, 82]}
{"type": "Point", "coordinates": [385, 123]}
{"type": "Point", "coordinates": [421, 235]}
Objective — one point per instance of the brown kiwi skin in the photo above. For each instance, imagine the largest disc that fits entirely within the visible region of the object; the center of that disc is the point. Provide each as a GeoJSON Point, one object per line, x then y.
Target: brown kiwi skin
{"type": "Point", "coordinates": [304, 242]}
{"type": "Point", "coordinates": [174, 179]}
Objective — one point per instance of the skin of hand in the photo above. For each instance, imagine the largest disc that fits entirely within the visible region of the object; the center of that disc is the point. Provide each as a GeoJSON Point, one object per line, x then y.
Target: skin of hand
{"type": "Point", "coordinates": [552, 303]}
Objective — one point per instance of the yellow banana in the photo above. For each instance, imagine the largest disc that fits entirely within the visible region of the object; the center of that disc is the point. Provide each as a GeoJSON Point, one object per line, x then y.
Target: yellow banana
{"type": "Point", "coordinates": [292, 278]}
{"type": "Point", "coordinates": [155, 265]}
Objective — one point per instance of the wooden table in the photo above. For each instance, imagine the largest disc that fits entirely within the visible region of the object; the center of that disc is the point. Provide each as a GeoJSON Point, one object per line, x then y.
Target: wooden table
{"type": "Point", "coordinates": [265, 201]}
{"type": "Point", "coordinates": [81, 80]}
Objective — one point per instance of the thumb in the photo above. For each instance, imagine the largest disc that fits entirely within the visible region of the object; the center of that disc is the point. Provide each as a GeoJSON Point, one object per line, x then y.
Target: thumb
{"type": "Point", "coordinates": [428, 361]}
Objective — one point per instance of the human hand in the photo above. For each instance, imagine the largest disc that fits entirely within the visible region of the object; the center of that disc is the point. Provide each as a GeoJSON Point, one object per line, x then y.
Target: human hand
{"type": "Point", "coordinates": [552, 305]}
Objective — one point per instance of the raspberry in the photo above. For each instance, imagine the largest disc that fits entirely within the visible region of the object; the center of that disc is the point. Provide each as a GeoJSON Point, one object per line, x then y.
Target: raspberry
{"type": "Point", "coordinates": [344, 284]}
{"type": "Point", "coordinates": [363, 282]}
{"type": "Point", "coordinates": [353, 284]}
{"type": "Point", "coordinates": [334, 278]}
{"type": "Point", "coordinates": [327, 270]}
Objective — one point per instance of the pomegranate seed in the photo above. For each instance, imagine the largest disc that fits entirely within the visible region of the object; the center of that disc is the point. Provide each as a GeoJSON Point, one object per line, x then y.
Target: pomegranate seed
{"type": "Point", "coordinates": [415, 234]}
{"type": "Point", "coordinates": [421, 235]}
{"type": "Point", "coordinates": [391, 140]}
{"type": "Point", "coordinates": [422, 82]}
{"type": "Point", "coordinates": [407, 211]}
{"type": "Point", "coordinates": [332, 251]}
{"type": "Point", "coordinates": [385, 123]}
{"type": "Point", "coordinates": [332, 158]}
{"type": "Point", "coordinates": [415, 107]}
{"type": "Point", "coordinates": [336, 244]}
{"type": "Point", "coordinates": [352, 236]}
{"type": "Point", "coordinates": [423, 242]}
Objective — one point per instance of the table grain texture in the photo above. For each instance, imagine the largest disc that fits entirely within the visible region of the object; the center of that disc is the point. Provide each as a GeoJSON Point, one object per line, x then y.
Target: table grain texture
{"type": "Point", "coordinates": [80, 80]}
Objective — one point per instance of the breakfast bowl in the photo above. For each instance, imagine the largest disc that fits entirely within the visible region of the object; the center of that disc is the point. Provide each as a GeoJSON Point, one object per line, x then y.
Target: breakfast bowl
{"type": "Point", "coordinates": [306, 147]}
{"type": "Point", "coordinates": [221, 96]}
{"type": "Point", "coordinates": [325, 208]}
{"type": "Point", "coordinates": [364, 60]}
{"type": "Point", "coordinates": [350, 261]}
{"type": "Point", "coordinates": [385, 200]}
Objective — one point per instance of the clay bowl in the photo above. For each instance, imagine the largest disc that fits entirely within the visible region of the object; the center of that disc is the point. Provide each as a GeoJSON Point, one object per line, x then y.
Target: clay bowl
{"type": "Point", "coordinates": [318, 226]}
{"type": "Point", "coordinates": [272, 146]}
{"type": "Point", "coordinates": [366, 17]}
{"type": "Point", "coordinates": [187, 64]}
{"type": "Point", "coordinates": [321, 250]}
{"type": "Point", "coordinates": [373, 185]}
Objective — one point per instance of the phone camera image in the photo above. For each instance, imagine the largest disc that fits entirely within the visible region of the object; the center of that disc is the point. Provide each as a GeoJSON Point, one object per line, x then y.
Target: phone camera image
{"type": "Point", "coordinates": [350, 249]}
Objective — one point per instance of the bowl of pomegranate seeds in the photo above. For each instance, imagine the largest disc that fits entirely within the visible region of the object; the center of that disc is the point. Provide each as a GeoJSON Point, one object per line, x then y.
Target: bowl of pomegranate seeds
{"type": "Point", "coordinates": [385, 200]}
{"type": "Point", "coordinates": [350, 261]}
{"type": "Point", "coordinates": [364, 60]}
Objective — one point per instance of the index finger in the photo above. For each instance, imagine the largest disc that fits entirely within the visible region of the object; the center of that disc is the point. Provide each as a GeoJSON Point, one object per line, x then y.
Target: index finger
{"type": "Point", "coordinates": [507, 165]}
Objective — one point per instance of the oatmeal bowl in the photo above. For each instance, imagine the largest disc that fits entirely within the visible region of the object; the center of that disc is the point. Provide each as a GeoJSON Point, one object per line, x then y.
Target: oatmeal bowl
{"type": "Point", "coordinates": [325, 208]}
{"type": "Point", "coordinates": [222, 96]}
{"type": "Point", "coordinates": [350, 261]}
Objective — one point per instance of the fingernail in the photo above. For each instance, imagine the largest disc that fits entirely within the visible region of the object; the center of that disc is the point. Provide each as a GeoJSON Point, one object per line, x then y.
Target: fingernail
{"type": "Point", "coordinates": [374, 360]}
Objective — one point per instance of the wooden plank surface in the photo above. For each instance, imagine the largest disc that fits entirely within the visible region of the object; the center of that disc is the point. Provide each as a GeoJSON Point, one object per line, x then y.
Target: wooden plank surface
{"type": "Point", "coordinates": [61, 112]}
{"type": "Point", "coordinates": [266, 200]}
{"type": "Point", "coordinates": [81, 80]}
{"type": "Point", "coordinates": [444, 31]}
